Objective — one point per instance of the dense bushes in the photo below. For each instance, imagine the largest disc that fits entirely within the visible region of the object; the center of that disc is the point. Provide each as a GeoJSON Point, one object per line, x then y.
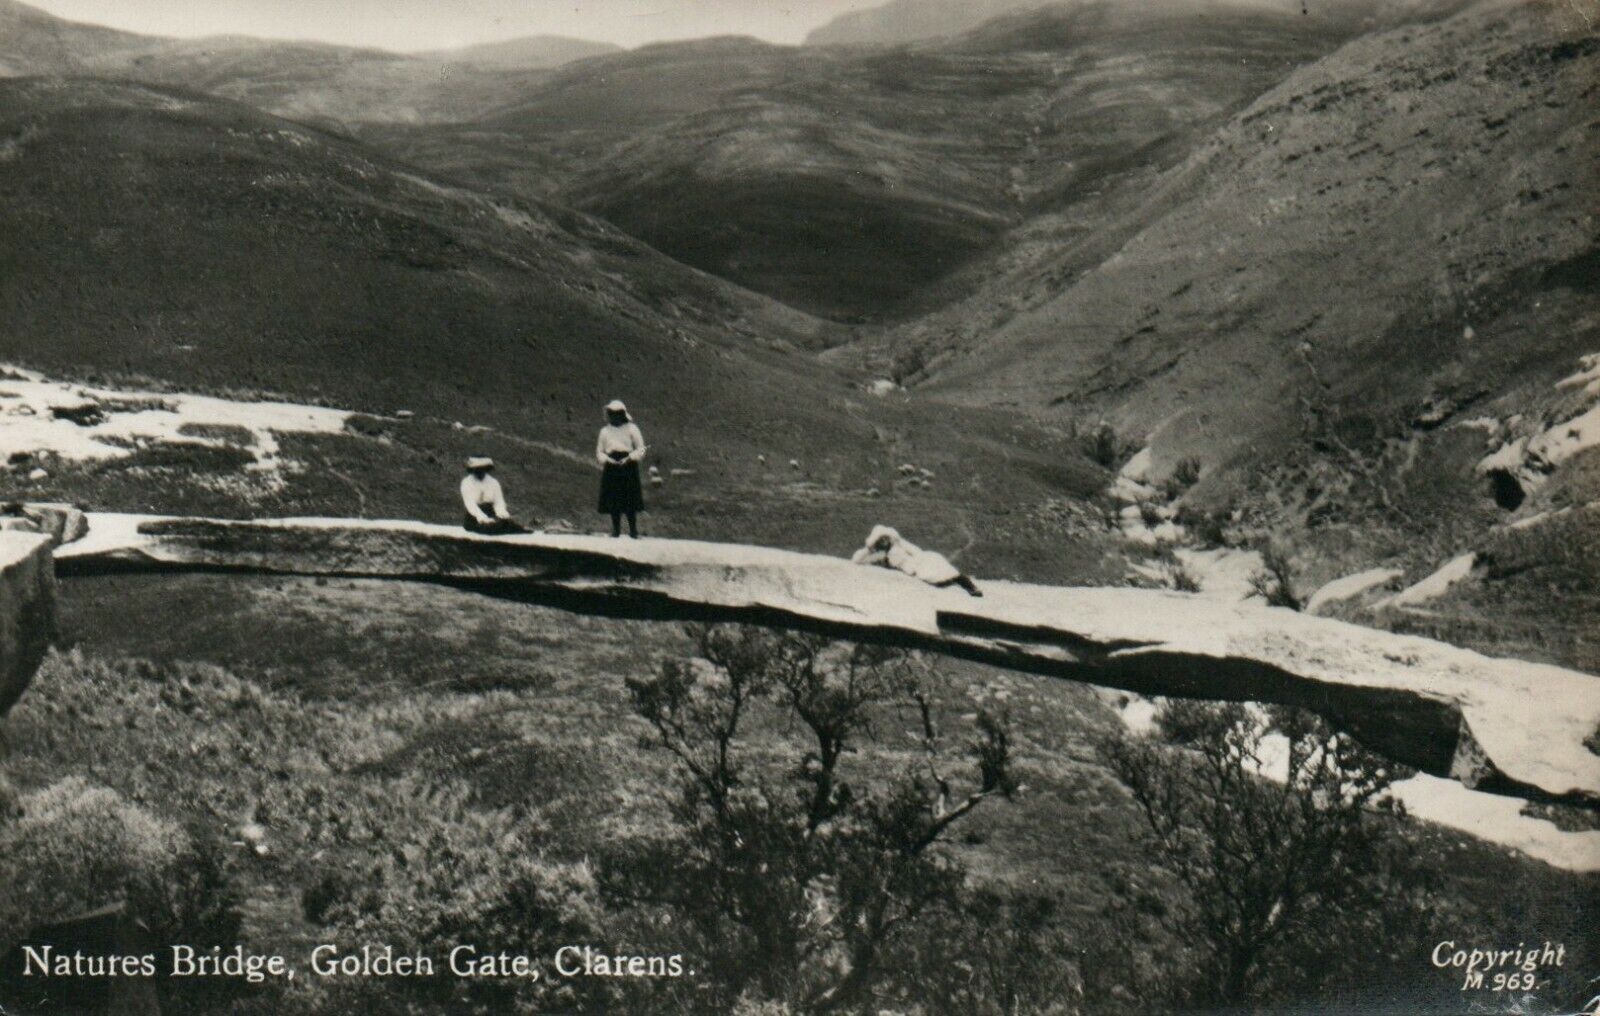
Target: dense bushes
{"type": "Point", "coordinates": [812, 825]}
{"type": "Point", "coordinates": [1275, 826]}
{"type": "Point", "coordinates": [799, 883]}
{"type": "Point", "coordinates": [77, 847]}
{"type": "Point", "coordinates": [73, 849]}
{"type": "Point", "coordinates": [1102, 444]}
{"type": "Point", "coordinates": [989, 954]}
{"type": "Point", "coordinates": [452, 874]}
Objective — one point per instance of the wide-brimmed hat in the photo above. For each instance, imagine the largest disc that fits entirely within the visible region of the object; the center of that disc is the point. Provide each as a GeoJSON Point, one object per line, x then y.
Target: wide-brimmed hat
{"type": "Point", "coordinates": [617, 406]}
{"type": "Point", "coordinates": [479, 462]}
{"type": "Point", "coordinates": [883, 533]}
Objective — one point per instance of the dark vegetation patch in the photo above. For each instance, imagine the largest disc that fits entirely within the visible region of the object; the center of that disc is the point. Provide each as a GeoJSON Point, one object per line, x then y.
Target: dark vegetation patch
{"type": "Point", "coordinates": [87, 415]}
{"type": "Point", "coordinates": [817, 244]}
{"type": "Point", "coordinates": [157, 479]}
{"type": "Point", "coordinates": [227, 433]}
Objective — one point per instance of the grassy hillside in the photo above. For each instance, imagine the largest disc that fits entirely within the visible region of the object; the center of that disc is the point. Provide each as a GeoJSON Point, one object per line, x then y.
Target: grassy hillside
{"type": "Point", "coordinates": [168, 239]}
{"type": "Point", "coordinates": [324, 83]}
{"type": "Point", "coordinates": [1309, 207]}
{"type": "Point", "coordinates": [902, 21]}
{"type": "Point", "coordinates": [1365, 282]}
{"type": "Point", "coordinates": [854, 184]}
{"type": "Point", "coordinates": [33, 42]}
{"type": "Point", "coordinates": [860, 185]}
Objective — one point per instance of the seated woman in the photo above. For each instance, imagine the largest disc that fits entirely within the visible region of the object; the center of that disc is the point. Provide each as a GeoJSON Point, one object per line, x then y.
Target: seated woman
{"type": "Point", "coordinates": [887, 548]}
{"type": "Point", "coordinates": [485, 501]}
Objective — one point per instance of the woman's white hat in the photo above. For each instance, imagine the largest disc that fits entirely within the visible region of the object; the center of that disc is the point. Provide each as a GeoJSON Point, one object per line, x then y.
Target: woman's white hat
{"type": "Point", "coordinates": [616, 406]}
{"type": "Point", "coordinates": [480, 462]}
{"type": "Point", "coordinates": [881, 533]}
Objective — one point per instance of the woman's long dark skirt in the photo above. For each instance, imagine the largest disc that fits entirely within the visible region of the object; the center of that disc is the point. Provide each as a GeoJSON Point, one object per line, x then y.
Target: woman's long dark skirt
{"type": "Point", "coordinates": [621, 491]}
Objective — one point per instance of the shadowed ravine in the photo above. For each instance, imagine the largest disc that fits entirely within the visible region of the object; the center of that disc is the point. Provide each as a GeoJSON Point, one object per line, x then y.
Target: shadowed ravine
{"type": "Point", "coordinates": [1490, 723]}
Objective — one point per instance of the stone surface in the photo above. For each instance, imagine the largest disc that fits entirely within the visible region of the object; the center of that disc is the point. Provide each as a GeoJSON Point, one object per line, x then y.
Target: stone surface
{"type": "Point", "coordinates": [1350, 586]}
{"type": "Point", "coordinates": [63, 523]}
{"type": "Point", "coordinates": [1456, 570]}
{"type": "Point", "coordinates": [27, 610]}
{"type": "Point", "coordinates": [1500, 725]}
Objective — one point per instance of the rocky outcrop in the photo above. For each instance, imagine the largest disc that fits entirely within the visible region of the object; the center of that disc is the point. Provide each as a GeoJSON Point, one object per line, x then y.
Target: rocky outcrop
{"type": "Point", "coordinates": [1453, 572]}
{"type": "Point", "coordinates": [62, 523]}
{"type": "Point", "coordinates": [1500, 725]}
{"type": "Point", "coordinates": [1350, 587]}
{"type": "Point", "coordinates": [27, 610]}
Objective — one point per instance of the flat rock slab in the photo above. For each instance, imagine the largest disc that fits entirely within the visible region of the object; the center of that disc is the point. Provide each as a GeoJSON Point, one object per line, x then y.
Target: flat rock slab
{"type": "Point", "coordinates": [27, 610]}
{"type": "Point", "coordinates": [1495, 724]}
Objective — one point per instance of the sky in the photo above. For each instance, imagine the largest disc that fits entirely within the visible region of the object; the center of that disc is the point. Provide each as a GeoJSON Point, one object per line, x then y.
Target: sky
{"type": "Point", "coordinates": [440, 24]}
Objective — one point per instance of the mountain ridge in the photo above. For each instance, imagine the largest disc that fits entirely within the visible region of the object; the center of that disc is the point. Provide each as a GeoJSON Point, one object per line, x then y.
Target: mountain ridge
{"type": "Point", "coordinates": [527, 52]}
{"type": "Point", "coordinates": [321, 81]}
{"type": "Point", "coordinates": [901, 22]}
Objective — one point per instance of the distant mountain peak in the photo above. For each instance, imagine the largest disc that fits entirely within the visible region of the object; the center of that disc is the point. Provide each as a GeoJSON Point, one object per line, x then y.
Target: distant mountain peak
{"type": "Point", "coordinates": [531, 52]}
{"type": "Point", "coordinates": [901, 21]}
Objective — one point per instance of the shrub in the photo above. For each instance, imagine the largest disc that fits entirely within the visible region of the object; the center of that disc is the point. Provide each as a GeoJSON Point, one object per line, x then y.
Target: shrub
{"type": "Point", "coordinates": [1271, 866]}
{"type": "Point", "coordinates": [1183, 580]}
{"type": "Point", "coordinates": [453, 874]}
{"type": "Point", "coordinates": [1274, 583]}
{"type": "Point", "coordinates": [1186, 473]}
{"type": "Point", "coordinates": [1173, 573]}
{"type": "Point", "coordinates": [990, 955]}
{"type": "Point", "coordinates": [794, 887]}
{"type": "Point", "coordinates": [77, 847]}
{"type": "Point", "coordinates": [195, 902]}
{"type": "Point", "coordinates": [1208, 527]}
{"type": "Point", "coordinates": [1104, 446]}
{"type": "Point", "coordinates": [317, 899]}
{"type": "Point", "coordinates": [909, 361]}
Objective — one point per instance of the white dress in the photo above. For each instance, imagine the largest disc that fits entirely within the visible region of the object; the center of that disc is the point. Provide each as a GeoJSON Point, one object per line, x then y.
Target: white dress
{"type": "Point", "coordinates": [904, 556]}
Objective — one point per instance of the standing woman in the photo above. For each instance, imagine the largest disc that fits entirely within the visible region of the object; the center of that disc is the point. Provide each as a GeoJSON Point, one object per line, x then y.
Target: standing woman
{"type": "Point", "coordinates": [619, 452]}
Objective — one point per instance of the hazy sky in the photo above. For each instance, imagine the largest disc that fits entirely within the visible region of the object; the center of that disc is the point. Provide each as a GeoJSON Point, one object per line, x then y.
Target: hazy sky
{"type": "Point", "coordinates": [431, 24]}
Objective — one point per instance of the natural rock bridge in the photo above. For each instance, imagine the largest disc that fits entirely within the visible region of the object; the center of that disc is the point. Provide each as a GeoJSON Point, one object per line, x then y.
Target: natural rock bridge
{"type": "Point", "coordinates": [1499, 725]}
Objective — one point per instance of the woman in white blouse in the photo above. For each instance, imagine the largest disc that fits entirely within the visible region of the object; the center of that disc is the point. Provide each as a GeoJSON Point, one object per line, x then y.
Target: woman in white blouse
{"type": "Point", "coordinates": [484, 501]}
{"type": "Point", "coordinates": [619, 451]}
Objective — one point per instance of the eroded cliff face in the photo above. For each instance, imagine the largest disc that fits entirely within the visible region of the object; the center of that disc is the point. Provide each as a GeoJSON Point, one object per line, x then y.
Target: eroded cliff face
{"type": "Point", "coordinates": [27, 610]}
{"type": "Point", "coordinates": [1499, 725]}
